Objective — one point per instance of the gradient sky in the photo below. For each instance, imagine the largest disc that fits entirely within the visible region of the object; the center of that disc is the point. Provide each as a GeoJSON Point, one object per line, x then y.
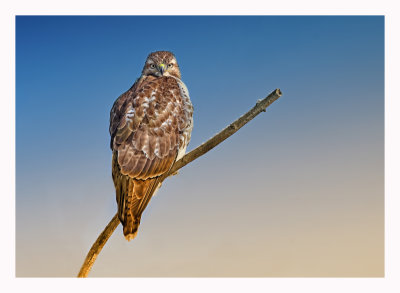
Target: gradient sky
{"type": "Point", "coordinates": [299, 191]}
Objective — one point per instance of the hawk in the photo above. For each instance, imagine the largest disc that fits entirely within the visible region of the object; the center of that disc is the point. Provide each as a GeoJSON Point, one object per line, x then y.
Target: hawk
{"type": "Point", "coordinates": [150, 128]}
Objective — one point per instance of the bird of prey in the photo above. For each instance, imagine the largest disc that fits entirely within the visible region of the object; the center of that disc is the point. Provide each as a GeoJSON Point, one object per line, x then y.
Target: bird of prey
{"type": "Point", "coordinates": [150, 128]}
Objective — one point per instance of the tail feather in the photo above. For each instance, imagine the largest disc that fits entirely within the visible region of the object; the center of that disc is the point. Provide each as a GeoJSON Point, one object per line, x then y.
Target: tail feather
{"type": "Point", "coordinates": [130, 229]}
{"type": "Point", "coordinates": [133, 195]}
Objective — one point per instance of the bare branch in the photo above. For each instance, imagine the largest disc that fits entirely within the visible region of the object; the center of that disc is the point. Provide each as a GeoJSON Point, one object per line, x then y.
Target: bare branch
{"type": "Point", "coordinates": [189, 157]}
{"type": "Point", "coordinates": [98, 246]}
{"type": "Point", "coordinates": [226, 132]}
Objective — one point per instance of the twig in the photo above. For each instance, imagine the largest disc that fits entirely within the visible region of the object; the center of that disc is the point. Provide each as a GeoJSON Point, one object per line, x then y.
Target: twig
{"type": "Point", "coordinates": [189, 157]}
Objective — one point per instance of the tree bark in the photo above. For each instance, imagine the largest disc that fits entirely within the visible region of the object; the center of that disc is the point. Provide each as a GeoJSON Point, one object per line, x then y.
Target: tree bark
{"type": "Point", "coordinates": [260, 106]}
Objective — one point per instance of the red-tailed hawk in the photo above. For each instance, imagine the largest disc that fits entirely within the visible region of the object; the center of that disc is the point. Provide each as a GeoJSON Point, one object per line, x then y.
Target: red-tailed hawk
{"type": "Point", "coordinates": [150, 127]}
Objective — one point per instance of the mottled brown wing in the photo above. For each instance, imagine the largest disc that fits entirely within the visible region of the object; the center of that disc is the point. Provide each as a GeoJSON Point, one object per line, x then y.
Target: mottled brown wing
{"type": "Point", "coordinates": [146, 125]}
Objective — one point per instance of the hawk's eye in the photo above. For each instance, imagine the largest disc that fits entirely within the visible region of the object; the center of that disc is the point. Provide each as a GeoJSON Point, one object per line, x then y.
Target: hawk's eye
{"type": "Point", "coordinates": [152, 65]}
{"type": "Point", "coordinates": [170, 65]}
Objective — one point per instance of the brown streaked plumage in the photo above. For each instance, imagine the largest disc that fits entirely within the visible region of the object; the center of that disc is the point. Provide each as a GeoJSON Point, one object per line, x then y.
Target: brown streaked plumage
{"type": "Point", "coordinates": [150, 128]}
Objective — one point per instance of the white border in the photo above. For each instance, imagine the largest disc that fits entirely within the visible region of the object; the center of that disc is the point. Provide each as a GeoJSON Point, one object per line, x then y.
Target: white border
{"type": "Point", "coordinates": [392, 144]}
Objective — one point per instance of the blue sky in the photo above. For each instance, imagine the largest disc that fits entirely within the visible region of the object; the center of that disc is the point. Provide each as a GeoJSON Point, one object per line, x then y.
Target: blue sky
{"type": "Point", "coordinates": [325, 133]}
{"type": "Point", "coordinates": [74, 67]}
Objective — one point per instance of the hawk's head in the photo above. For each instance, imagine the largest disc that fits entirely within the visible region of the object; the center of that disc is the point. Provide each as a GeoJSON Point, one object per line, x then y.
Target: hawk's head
{"type": "Point", "coordinates": [161, 63]}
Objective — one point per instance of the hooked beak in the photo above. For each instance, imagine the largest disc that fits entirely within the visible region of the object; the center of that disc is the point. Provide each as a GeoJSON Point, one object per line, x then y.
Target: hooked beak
{"type": "Point", "coordinates": [161, 68]}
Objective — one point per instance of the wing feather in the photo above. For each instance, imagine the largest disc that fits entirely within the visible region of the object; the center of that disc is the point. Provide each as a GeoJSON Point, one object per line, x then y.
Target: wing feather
{"type": "Point", "coordinates": [145, 138]}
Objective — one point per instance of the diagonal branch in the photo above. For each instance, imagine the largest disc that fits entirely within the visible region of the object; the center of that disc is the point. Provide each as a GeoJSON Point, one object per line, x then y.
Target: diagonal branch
{"type": "Point", "coordinates": [260, 106]}
{"type": "Point", "coordinates": [98, 246]}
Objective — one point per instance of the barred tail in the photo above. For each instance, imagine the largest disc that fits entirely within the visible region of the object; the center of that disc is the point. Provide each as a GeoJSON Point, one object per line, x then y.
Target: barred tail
{"type": "Point", "coordinates": [131, 228]}
{"type": "Point", "coordinates": [133, 195]}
